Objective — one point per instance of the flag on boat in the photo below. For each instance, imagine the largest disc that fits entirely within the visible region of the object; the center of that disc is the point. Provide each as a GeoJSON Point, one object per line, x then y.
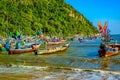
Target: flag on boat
{"type": "Point", "coordinates": [105, 29]}
{"type": "Point", "coordinates": [100, 27]}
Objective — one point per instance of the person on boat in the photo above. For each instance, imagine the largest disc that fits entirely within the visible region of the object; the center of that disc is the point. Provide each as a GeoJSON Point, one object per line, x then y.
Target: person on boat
{"type": "Point", "coordinates": [1, 45]}
{"type": "Point", "coordinates": [18, 45]}
{"type": "Point", "coordinates": [40, 34]}
{"type": "Point", "coordinates": [54, 39]}
{"type": "Point", "coordinates": [80, 40]}
{"type": "Point", "coordinates": [23, 44]}
{"type": "Point", "coordinates": [14, 36]}
{"type": "Point", "coordinates": [7, 45]}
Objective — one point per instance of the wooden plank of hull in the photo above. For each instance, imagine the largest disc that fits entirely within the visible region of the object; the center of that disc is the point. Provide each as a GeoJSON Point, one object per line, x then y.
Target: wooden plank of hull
{"type": "Point", "coordinates": [18, 51]}
{"type": "Point", "coordinates": [110, 54]}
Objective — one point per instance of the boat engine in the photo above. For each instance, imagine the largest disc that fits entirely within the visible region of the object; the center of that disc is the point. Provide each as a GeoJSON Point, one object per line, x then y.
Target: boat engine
{"type": "Point", "coordinates": [102, 50]}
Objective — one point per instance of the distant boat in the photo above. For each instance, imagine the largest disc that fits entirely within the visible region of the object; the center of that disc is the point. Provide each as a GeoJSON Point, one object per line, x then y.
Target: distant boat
{"type": "Point", "coordinates": [94, 40]}
{"type": "Point", "coordinates": [86, 40]}
{"type": "Point", "coordinates": [90, 42]}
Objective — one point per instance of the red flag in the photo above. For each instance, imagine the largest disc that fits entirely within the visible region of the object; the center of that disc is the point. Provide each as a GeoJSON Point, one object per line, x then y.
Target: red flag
{"type": "Point", "coordinates": [100, 27]}
{"type": "Point", "coordinates": [105, 29]}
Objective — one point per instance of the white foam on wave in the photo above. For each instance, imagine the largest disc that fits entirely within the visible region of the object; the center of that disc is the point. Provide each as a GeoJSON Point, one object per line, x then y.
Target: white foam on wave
{"type": "Point", "coordinates": [30, 67]}
{"type": "Point", "coordinates": [91, 70]}
{"type": "Point", "coordinates": [94, 74]}
{"type": "Point", "coordinates": [72, 76]}
{"type": "Point", "coordinates": [21, 68]}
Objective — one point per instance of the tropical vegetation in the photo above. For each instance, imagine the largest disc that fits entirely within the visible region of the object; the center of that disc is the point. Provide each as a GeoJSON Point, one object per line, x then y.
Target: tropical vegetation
{"type": "Point", "coordinates": [52, 16]}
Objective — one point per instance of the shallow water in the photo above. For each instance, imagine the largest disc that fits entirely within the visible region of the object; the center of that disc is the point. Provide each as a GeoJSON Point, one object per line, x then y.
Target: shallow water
{"type": "Point", "coordinates": [78, 62]}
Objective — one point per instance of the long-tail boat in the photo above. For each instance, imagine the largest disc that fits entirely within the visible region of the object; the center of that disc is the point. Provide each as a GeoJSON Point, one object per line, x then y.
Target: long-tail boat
{"type": "Point", "coordinates": [31, 48]}
{"type": "Point", "coordinates": [54, 50]}
{"type": "Point", "coordinates": [107, 50]}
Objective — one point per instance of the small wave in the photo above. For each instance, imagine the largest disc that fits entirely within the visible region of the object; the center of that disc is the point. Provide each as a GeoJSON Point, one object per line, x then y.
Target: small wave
{"type": "Point", "coordinates": [98, 71]}
{"type": "Point", "coordinates": [62, 73]}
{"type": "Point", "coordinates": [61, 68]}
{"type": "Point", "coordinates": [30, 67]}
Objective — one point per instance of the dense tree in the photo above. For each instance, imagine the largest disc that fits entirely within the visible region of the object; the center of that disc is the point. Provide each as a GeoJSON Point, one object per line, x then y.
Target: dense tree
{"type": "Point", "coordinates": [53, 16]}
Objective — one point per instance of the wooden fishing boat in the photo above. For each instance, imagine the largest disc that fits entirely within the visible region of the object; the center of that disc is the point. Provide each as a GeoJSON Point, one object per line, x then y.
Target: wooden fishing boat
{"type": "Point", "coordinates": [32, 48]}
{"type": "Point", "coordinates": [106, 52]}
{"type": "Point", "coordinates": [103, 53]}
{"type": "Point", "coordinates": [57, 49]}
{"type": "Point", "coordinates": [56, 42]}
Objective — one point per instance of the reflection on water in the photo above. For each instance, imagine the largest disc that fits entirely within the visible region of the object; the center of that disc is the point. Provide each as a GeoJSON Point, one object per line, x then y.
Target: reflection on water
{"type": "Point", "coordinates": [78, 62]}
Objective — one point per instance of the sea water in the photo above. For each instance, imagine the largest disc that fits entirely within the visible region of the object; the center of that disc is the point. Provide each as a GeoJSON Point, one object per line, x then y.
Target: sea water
{"type": "Point", "coordinates": [79, 62]}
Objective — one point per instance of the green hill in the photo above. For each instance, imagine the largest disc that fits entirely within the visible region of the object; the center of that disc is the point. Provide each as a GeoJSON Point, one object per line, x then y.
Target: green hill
{"type": "Point", "coordinates": [52, 16]}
